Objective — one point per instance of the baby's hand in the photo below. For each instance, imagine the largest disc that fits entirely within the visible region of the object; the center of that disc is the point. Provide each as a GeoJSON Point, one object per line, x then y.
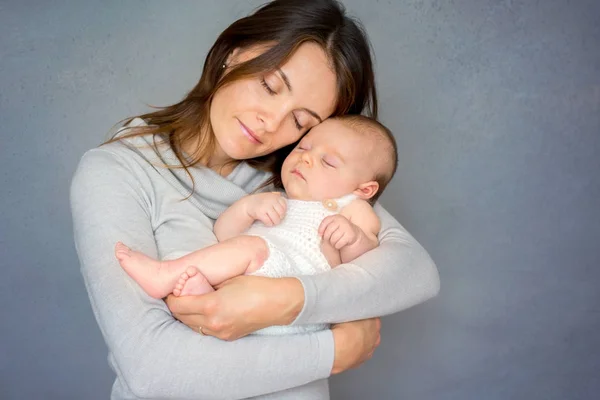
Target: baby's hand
{"type": "Point", "coordinates": [268, 208]}
{"type": "Point", "coordinates": [339, 231]}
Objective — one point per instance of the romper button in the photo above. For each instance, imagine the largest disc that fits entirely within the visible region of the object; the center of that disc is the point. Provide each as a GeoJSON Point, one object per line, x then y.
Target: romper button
{"type": "Point", "coordinates": [330, 205]}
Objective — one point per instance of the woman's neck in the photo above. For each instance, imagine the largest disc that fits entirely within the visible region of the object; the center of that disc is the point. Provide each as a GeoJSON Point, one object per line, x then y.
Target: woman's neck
{"type": "Point", "coordinates": [218, 161]}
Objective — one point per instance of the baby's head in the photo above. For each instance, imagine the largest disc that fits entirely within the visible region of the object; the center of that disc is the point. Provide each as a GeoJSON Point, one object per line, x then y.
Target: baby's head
{"type": "Point", "coordinates": [343, 155]}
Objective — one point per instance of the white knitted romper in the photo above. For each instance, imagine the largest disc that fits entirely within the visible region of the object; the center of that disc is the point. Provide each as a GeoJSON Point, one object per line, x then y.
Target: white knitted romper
{"type": "Point", "coordinates": [295, 248]}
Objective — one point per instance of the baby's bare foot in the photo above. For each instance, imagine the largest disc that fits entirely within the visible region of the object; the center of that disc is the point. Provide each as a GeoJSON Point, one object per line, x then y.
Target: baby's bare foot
{"type": "Point", "coordinates": [192, 283]}
{"type": "Point", "coordinates": [155, 277]}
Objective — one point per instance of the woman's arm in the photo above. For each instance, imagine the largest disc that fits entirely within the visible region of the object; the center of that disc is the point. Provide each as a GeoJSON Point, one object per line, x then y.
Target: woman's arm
{"type": "Point", "coordinates": [154, 355]}
{"type": "Point", "coordinates": [392, 277]}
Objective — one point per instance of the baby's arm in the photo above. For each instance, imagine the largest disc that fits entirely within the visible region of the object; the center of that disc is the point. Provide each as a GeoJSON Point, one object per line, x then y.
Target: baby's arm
{"type": "Point", "coordinates": [361, 214]}
{"type": "Point", "coordinates": [351, 233]}
{"type": "Point", "coordinates": [269, 208]}
{"type": "Point", "coordinates": [233, 221]}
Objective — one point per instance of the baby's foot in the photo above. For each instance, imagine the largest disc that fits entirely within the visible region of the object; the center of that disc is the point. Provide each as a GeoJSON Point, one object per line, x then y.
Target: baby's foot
{"type": "Point", "coordinates": [156, 278]}
{"type": "Point", "coordinates": [192, 283]}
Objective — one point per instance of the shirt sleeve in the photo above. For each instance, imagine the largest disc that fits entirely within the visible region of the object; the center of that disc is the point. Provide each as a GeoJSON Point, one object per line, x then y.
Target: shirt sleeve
{"type": "Point", "coordinates": [153, 354]}
{"type": "Point", "coordinates": [396, 275]}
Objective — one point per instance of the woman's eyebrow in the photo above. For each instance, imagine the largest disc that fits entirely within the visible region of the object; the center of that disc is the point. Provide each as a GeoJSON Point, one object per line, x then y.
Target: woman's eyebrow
{"type": "Point", "coordinates": [286, 80]}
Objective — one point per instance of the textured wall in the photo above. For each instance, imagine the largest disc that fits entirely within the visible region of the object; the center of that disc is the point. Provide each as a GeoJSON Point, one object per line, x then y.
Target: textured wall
{"type": "Point", "coordinates": [496, 107]}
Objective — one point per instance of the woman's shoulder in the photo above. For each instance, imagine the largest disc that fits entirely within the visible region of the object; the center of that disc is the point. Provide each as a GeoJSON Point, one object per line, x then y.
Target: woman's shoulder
{"type": "Point", "coordinates": [141, 151]}
{"type": "Point", "coordinates": [129, 156]}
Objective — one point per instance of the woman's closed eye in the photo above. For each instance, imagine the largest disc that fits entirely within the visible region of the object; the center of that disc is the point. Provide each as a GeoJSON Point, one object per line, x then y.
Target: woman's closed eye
{"type": "Point", "coordinates": [297, 123]}
{"type": "Point", "coordinates": [272, 92]}
{"type": "Point", "coordinates": [268, 88]}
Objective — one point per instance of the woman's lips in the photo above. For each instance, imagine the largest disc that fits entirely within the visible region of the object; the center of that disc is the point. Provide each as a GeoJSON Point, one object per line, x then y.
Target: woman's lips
{"type": "Point", "coordinates": [249, 134]}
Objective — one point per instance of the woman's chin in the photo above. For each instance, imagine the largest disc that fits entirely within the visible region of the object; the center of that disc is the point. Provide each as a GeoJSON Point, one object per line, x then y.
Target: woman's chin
{"type": "Point", "coordinates": [241, 153]}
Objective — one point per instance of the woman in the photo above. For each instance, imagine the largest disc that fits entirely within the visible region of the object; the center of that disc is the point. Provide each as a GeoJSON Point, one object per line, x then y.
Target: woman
{"type": "Point", "coordinates": [267, 80]}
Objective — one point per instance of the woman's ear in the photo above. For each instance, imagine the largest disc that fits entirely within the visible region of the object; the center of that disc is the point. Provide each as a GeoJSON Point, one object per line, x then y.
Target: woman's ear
{"type": "Point", "coordinates": [232, 58]}
{"type": "Point", "coordinates": [367, 190]}
{"type": "Point", "coordinates": [240, 55]}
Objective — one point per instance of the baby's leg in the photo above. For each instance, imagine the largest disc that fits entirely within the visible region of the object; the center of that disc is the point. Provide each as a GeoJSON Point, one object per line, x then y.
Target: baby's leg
{"type": "Point", "coordinates": [236, 256]}
{"type": "Point", "coordinates": [157, 278]}
{"type": "Point", "coordinates": [215, 264]}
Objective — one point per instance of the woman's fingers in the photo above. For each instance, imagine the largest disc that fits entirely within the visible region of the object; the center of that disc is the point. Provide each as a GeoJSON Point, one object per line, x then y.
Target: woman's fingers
{"type": "Point", "coordinates": [355, 342]}
{"type": "Point", "coordinates": [183, 305]}
{"type": "Point", "coordinates": [200, 323]}
{"type": "Point", "coordinates": [240, 306]}
{"type": "Point", "coordinates": [192, 320]}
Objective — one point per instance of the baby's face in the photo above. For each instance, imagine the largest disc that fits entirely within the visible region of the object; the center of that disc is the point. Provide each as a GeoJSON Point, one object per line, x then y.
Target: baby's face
{"type": "Point", "coordinates": [331, 161]}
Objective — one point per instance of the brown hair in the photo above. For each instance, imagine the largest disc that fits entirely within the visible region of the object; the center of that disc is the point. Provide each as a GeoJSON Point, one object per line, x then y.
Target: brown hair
{"type": "Point", "coordinates": [286, 24]}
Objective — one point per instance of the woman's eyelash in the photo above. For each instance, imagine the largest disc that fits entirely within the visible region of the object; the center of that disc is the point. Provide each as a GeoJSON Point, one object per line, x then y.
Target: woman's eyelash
{"type": "Point", "coordinates": [272, 92]}
{"type": "Point", "coordinates": [267, 88]}
{"type": "Point", "coordinates": [298, 126]}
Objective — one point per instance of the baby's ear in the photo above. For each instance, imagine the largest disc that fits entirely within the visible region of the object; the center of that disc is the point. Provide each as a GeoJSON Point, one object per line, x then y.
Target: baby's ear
{"type": "Point", "coordinates": [367, 190]}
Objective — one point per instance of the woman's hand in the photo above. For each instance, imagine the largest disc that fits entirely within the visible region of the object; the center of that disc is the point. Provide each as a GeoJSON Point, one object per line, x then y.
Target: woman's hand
{"type": "Point", "coordinates": [240, 306]}
{"type": "Point", "coordinates": [355, 343]}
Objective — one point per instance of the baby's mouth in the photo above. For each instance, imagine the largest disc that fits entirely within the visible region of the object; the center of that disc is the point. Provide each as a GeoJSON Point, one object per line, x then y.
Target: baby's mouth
{"type": "Point", "coordinates": [298, 173]}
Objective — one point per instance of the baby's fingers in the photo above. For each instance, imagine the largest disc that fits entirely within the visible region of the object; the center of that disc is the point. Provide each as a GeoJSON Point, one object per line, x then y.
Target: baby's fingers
{"type": "Point", "coordinates": [266, 219]}
{"type": "Point", "coordinates": [336, 237]}
{"type": "Point", "coordinates": [279, 209]}
{"type": "Point", "coordinates": [274, 216]}
{"type": "Point", "coordinates": [342, 242]}
{"type": "Point", "coordinates": [283, 202]}
{"type": "Point", "coordinates": [329, 232]}
{"type": "Point", "coordinates": [325, 223]}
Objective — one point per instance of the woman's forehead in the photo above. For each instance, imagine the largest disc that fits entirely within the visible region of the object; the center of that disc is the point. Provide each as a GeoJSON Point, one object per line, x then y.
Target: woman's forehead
{"type": "Point", "coordinates": [311, 78]}
{"type": "Point", "coordinates": [336, 134]}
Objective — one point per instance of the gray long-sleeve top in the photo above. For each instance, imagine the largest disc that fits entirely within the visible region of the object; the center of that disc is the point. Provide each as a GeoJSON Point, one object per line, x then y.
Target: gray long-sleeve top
{"type": "Point", "coordinates": [123, 192]}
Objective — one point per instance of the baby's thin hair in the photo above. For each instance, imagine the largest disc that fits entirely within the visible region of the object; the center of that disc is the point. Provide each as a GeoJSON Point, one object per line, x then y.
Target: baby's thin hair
{"type": "Point", "coordinates": [370, 126]}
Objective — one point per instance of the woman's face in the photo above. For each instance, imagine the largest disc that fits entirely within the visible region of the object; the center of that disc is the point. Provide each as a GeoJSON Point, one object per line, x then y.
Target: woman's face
{"type": "Point", "coordinates": [256, 116]}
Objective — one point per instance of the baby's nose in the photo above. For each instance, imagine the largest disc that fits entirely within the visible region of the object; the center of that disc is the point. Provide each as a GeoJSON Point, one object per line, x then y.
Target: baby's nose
{"type": "Point", "coordinates": [306, 158]}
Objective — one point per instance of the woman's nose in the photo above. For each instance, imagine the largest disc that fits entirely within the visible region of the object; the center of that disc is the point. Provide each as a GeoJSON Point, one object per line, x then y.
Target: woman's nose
{"type": "Point", "coordinates": [273, 116]}
{"type": "Point", "coordinates": [271, 122]}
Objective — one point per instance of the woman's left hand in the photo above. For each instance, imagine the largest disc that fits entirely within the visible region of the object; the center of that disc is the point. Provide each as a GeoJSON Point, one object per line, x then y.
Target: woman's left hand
{"type": "Point", "coordinates": [240, 306]}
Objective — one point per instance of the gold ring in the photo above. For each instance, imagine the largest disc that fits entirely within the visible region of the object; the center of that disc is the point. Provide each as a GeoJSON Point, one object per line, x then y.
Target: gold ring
{"type": "Point", "coordinates": [200, 331]}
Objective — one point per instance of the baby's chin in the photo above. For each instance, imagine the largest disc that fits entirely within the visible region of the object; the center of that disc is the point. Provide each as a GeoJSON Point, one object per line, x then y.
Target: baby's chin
{"type": "Point", "coordinates": [295, 193]}
{"type": "Point", "coordinates": [300, 195]}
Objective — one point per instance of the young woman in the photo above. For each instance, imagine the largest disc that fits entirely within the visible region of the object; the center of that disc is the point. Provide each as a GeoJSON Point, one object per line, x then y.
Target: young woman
{"type": "Point", "coordinates": [159, 186]}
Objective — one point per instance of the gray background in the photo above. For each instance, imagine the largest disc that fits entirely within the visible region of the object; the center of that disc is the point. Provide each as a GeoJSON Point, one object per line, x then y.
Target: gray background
{"type": "Point", "coordinates": [496, 107]}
